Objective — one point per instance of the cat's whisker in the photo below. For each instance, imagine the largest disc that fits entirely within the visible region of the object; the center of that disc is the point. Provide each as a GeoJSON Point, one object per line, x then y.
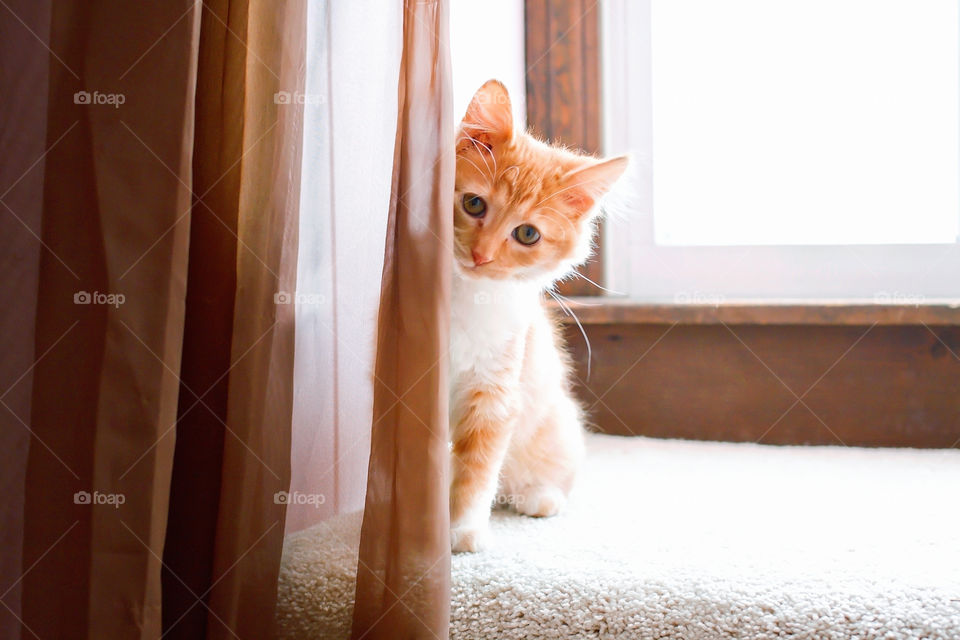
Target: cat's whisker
{"type": "Point", "coordinates": [580, 303]}
{"type": "Point", "coordinates": [466, 137]}
{"type": "Point", "coordinates": [482, 158]}
{"type": "Point", "coordinates": [557, 211]}
{"type": "Point", "coordinates": [466, 159]}
{"type": "Point", "coordinates": [559, 191]}
{"type": "Point", "coordinates": [570, 313]}
{"type": "Point", "coordinates": [483, 129]}
{"type": "Point", "coordinates": [513, 166]}
{"type": "Point", "coordinates": [490, 176]}
{"type": "Point", "coordinates": [564, 219]}
{"type": "Point", "coordinates": [580, 275]}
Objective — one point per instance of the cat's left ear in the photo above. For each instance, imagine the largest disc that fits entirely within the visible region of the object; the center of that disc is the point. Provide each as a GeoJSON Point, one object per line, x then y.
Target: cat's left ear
{"type": "Point", "coordinates": [489, 118]}
{"type": "Point", "coordinates": [582, 188]}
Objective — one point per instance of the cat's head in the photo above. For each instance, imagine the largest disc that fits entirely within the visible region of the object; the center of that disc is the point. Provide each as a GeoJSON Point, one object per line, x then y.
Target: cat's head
{"type": "Point", "coordinates": [522, 209]}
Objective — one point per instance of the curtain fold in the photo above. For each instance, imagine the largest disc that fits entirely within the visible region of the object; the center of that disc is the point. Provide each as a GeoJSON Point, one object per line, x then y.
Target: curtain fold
{"type": "Point", "coordinates": [208, 325]}
{"type": "Point", "coordinates": [108, 320]}
{"type": "Point", "coordinates": [22, 141]}
{"type": "Point", "coordinates": [160, 254]}
{"type": "Point", "coordinates": [256, 461]}
{"type": "Point", "coordinates": [403, 574]}
{"type": "Point", "coordinates": [233, 453]}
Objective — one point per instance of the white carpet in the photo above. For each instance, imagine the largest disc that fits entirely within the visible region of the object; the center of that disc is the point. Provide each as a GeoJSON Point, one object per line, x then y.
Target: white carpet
{"type": "Point", "coordinates": [674, 539]}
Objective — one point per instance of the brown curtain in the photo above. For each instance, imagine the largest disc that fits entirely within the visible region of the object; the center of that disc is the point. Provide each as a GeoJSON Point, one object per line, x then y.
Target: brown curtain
{"type": "Point", "coordinates": [161, 366]}
{"type": "Point", "coordinates": [403, 574]}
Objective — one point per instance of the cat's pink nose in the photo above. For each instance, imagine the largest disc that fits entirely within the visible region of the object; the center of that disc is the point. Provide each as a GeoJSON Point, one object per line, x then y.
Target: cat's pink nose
{"type": "Point", "coordinates": [479, 258]}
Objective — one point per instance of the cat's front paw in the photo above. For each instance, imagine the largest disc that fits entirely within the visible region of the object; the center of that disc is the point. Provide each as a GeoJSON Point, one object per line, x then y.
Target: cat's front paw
{"type": "Point", "coordinates": [468, 538]}
{"type": "Point", "coordinates": [541, 502]}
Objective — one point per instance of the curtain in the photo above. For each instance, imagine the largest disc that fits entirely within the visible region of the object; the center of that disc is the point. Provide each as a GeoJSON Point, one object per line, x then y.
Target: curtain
{"type": "Point", "coordinates": [22, 141]}
{"type": "Point", "coordinates": [403, 571]}
{"type": "Point", "coordinates": [352, 83]}
{"type": "Point", "coordinates": [154, 369]}
{"type": "Point", "coordinates": [151, 234]}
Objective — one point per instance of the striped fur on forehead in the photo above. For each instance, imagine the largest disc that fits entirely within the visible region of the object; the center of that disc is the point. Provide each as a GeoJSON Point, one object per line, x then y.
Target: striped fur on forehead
{"type": "Point", "coordinates": [526, 171]}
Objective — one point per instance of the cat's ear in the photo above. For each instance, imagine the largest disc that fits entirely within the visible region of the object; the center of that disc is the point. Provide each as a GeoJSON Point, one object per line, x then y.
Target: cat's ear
{"type": "Point", "coordinates": [582, 188]}
{"type": "Point", "coordinates": [489, 118]}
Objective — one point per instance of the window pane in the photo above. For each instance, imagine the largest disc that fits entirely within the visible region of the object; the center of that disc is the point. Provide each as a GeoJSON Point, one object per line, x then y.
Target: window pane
{"type": "Point", "coordinates": [805, 121]}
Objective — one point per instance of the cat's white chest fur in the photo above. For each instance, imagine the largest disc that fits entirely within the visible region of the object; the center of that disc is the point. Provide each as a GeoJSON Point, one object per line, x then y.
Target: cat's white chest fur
{"type": "Point", "coordinates": [486, 316]}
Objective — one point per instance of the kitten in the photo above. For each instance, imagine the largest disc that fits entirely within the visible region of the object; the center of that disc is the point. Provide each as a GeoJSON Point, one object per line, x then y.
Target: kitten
{"type": "Point", "coordinates": [524, 217]}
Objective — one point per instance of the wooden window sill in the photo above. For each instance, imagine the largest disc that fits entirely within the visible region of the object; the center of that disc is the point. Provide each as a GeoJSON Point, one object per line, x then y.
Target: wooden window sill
{"type": "Point", "coordinates": [609, 310]}
{"type": "Point", "coordinates": [773, 372]}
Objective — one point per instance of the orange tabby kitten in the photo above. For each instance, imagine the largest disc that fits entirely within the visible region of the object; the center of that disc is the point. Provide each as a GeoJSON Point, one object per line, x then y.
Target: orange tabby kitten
{"type": "Point", "coordinates": [523, 218]}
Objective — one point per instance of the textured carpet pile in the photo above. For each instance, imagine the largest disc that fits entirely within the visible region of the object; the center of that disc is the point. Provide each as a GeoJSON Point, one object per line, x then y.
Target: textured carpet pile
{"type": "Point", "coordinates": [673, 539]}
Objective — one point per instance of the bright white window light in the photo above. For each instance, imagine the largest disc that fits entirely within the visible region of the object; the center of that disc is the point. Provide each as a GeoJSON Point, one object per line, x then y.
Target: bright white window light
{"type": "Point", "coordinates": [806, 121]}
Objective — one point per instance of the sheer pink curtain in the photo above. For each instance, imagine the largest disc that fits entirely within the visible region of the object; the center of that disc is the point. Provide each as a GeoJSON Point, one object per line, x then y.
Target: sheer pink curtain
{"type": "Point", "coordinates": [347, 166]}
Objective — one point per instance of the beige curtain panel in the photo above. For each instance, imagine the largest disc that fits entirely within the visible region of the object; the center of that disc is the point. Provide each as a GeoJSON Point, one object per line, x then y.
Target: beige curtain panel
{"type": "Point", "coordinates": [150, 219]}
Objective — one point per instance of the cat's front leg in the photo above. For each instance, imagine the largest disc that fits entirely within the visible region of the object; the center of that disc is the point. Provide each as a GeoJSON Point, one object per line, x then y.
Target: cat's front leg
{"type": "Point", "coordinates": [480, 439]}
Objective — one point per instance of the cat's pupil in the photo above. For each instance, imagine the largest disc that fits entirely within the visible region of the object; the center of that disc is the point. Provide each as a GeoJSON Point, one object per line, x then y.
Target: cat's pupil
{"type": "Point", "coordinates": [526, 234]}
{"type": "Point", "coordinates": [474, 205]}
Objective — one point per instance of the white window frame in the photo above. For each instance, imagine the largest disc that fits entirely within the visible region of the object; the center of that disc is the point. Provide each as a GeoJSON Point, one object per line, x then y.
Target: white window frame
{"type": "Point", "coordinates": [637, 267]}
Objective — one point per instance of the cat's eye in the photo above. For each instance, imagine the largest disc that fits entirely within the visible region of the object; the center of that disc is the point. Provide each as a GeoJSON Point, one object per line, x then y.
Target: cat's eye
{"type": "Point", "coordinates": [526, 234]}
{"type": "Point", "coordinates": [474, 205]}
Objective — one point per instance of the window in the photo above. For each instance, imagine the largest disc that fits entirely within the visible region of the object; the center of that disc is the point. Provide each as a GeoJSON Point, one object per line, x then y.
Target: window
{"type": "Point", "coordinates": [474, 61]}
{"type": "Point", "coordinates": [785, 148]}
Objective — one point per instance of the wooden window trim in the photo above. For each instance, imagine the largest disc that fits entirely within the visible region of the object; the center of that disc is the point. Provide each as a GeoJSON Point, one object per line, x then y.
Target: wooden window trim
{"type": "Point", "coordinates": [563, 92]}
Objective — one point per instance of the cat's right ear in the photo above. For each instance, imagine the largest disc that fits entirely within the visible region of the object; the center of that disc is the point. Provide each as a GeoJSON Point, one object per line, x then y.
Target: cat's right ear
{"type": "Point", "coordinates": [584, 187]}
{"type": "Point", "coordinates": [489, 118]}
